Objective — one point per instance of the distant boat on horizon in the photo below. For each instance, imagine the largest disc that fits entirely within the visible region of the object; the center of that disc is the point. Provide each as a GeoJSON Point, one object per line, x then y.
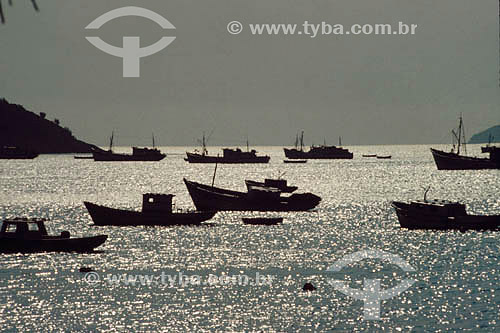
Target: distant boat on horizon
{"type": "Point", "coordinates": [229, 156]}
{"type": "Point", "coordinates": [489, 148]}
{"type": "Point", "coordinates": [138, 154]}
{"type": "Point", "coordinates": [316, 152]}
{"type": "Point", "coordinates": [454, 161]}
{"type": "Point", "coordinates": [16, 153]}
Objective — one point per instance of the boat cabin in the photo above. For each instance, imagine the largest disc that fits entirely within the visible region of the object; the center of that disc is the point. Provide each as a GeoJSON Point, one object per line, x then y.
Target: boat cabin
{"type": "Point", "coordinates": [136, 151]}
{"type": "Point", "coordinates": [157, 203]}
{"type": "Point", "coordinates": [236, 153]}
{"type": "Point", "coordinates": [23, 228]}
{"type": "Point", "coordinates": [277, 183]}
{"type": "Point", "coordinates": [437, 207]}
{"type": "Point", "coordinates": [263, 193]}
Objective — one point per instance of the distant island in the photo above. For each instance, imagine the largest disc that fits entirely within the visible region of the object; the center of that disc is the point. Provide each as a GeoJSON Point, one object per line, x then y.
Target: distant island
{"type": "Point", "coordinates": [484, 136]}
{"type": "Point", "coordinates": [25, 129]}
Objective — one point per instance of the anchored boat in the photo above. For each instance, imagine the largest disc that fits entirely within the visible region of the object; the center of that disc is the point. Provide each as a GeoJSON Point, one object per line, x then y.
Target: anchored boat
{"type": "Point", "coordinates": [30, 235]}
{"type": "Point", "coordinates": [231, 156]}
{"type": "Point", "coordinates": [156, 210]}
{"type": "Point", "coordinates": [441, 214]}
{"type": "Point", "coordinates": [16, 153]}
{"type": "Point", "coordinates": [257, 198]}
{"type": "Point", "coordinates": [454, 161]}
{"type": "Point", "coordinates": [262, 220]}
{"type": "Point", "coordinates": [138, 154]}
{"type": "Point", "coordinates": [316, 152]}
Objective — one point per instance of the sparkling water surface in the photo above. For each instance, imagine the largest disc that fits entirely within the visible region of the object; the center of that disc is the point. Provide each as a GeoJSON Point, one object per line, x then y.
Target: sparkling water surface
{"type": "Point", "coordinates": [457, 273]}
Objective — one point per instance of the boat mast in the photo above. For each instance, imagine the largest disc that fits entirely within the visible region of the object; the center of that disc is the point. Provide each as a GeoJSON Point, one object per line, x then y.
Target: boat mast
{"type": "Point", "coordinates": [153, 140]}
{"type": "Point", "coordinates": [215, 170]}
{"type": "Point", "coordinates": [302, 141]}
{"type": "Point", "coordinates": [111, 141]}
{"type": "Point", "coordinates": [464, 143]}
{"type": "Point", "coordinates": [203, 146]}
{"type": "Point", "coordinates": [460, 136]}
{"type": "Point", "coordinates": [297, 141]}
{"type": "Point", "coordinates": [340, 141]}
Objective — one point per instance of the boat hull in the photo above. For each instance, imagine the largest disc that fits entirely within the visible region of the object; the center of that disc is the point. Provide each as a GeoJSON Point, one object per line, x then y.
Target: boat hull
{"type": "Point", "coordinates": [84, 244]}
{"type": "Point", "coordinates": [112, 157]}
{"type": "Point", "coordinates": [198, 158]}
{"type": "Point", "coordinates": [102, 215]}
{"type": "Point", "coordinates": [435, 222]}
{"type": "Point", "coordinates": [452, 161]}
{"type": "Point", "coordinates": [262, 220]}
{"type": "Point", "coordinates": [212, 198]}
{"type": "Point", "coordinates": [297, 154]}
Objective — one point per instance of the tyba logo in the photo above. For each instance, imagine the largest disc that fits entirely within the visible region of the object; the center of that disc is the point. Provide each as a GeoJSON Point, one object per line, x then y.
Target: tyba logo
{"type": "Point", "coordinates": [131, 51]}
{"type": "Point", "coordinates": [371, 293]}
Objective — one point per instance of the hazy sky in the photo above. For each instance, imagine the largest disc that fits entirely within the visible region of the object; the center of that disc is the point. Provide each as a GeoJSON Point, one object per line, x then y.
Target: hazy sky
{"type": "Point", "coordinates": [367, 89]}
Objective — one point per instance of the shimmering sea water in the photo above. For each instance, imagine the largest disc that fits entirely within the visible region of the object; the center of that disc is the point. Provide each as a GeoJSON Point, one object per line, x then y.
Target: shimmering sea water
{"type": "Point", "coordinates": [457, 274]}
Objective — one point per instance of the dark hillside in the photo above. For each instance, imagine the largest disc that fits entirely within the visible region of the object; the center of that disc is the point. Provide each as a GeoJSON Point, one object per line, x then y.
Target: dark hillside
{"type": "Point", "coordinates": [22, 128]}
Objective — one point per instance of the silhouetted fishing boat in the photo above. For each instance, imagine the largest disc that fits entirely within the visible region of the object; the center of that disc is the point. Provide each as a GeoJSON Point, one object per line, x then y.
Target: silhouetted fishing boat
{"type": "Point", "coordinates": [280, 184]}
{"type": "Point", "coordinates": [228, 156]}
{"type": "Point", "coordinates": [257, 198]}
{"type": "Point", "coordinates": [16, 153]}
{"type": "Point", "coordinates": [384, 157]}
{"type": "Point", "coordinates": [454, 161]}
{"type": "Point", "coordinates": [80, 157]}
{"type": "Point", "coordinates": [262, 220]}
{"type": "Point", "coordinates": [316, 152]}
{"type": "Point", "coordinates": [295, 161]}
{"type": "Point", "coordinates": [30, 235]}
{"type": "Point", "coordinates": [138, 154]}
{"type": "Point", "coordinates": [441, 214]}
{"type": "Point", "coordinates": [488, 148]}
{"type": "Point", "coordinates": [369, 155]}
{"type": "Point", "coordinates": [156, 210]}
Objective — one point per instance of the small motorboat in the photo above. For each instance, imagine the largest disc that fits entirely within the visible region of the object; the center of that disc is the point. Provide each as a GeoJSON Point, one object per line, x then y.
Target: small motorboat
{"type": "Point", "coordinates": [369, 155]}
{"type": "Point", "coordinates": [30, 235]}
{"type": "Point", "coordinates": [295, 161]}
{"type": "Point", "coordinates": [262, 220]}
{"type": "Point", "coordinates": [280, 184]}
{"type": "Point", "coordinates": [384, 157]}
{"type": "Point", "coordinates": [441, 214]}
{"type": "Point", "coordinates": [156, 210]}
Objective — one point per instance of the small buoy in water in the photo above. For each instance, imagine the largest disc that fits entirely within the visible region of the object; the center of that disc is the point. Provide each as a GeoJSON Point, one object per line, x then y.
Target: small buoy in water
{"type": "Point", "coordinates": [308, 287]}
{"type": "Point", "coordinates": [85, 269]}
